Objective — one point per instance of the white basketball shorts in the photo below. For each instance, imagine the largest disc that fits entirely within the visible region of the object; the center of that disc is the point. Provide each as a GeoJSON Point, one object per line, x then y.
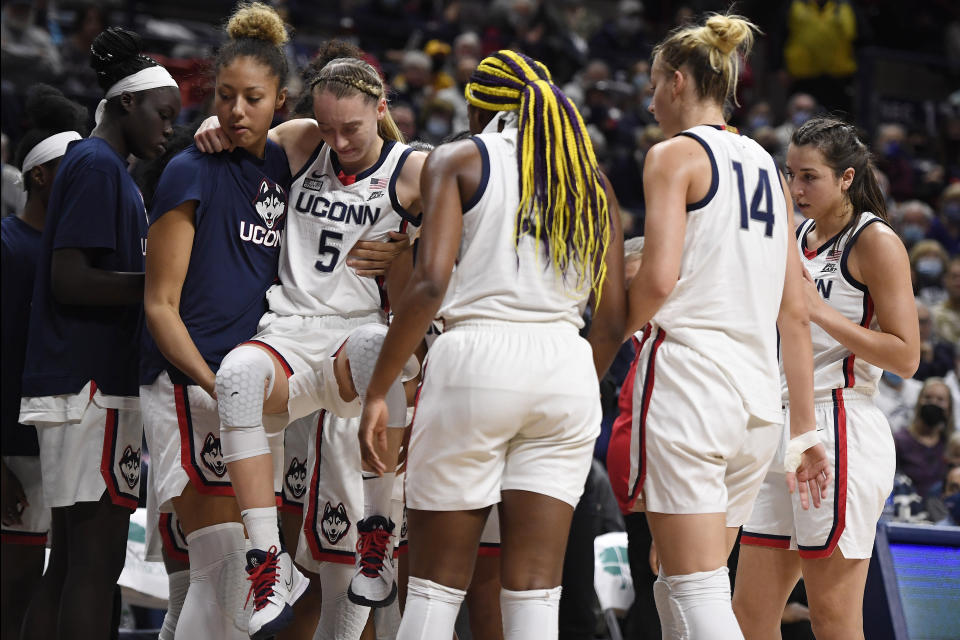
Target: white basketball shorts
{"type": "Point", "coordinates": [694, 448]}
{"type": "Point", "coordinates": [860, 448]}
{"type": "Point", "coordinates": [503, 406]}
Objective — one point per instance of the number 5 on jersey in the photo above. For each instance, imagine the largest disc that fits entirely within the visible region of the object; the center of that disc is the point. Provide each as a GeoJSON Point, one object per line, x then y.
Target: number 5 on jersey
{"type": "Point", "coordinates": [328, 249]}
{"type": "Point", "coordinates": [761, 206]}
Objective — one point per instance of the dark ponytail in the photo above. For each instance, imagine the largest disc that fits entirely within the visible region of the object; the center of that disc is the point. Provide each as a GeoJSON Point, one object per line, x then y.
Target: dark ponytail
{"type": "Point", "coordinates": [115, 54]}
{"type": "Point", "coordinates": [842, 149]}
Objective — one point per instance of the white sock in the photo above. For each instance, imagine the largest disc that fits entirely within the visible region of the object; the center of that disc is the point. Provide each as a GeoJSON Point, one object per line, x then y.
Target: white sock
{"type": "Point", "coordinates": [700, 604]}
{"type": "Point", "coordinates": [530, 614]}
{"type": "Point", "coordinates": [261, 524]}
{"type": "Point", "coordinates": [179, 583]}
{"type": "Point", "coordinates": [378, 494]}
{"type": "Point", "coordinates": [340, 619]}
{"type": "Point", "coordinates": [214, 602]}
{"type": "Point", "coordinates": [431, 610]}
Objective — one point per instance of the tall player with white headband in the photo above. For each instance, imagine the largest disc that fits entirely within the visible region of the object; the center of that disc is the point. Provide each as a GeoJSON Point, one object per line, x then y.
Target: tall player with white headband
{"type": "Point", "coordinates": [55, 121]}
{"type": "Point", "coordinates": [80, 378]}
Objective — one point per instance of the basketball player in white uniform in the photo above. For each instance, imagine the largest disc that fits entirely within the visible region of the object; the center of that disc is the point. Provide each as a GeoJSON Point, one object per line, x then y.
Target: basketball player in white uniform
{"type": "Point", "coordinates": [354, 182]}
{"type": "Point", "coordinates": [508, 410]}
{"type": "Point", "coordinates": [860, 299]}
{"type": "Point", "coordinates": [718, 278]}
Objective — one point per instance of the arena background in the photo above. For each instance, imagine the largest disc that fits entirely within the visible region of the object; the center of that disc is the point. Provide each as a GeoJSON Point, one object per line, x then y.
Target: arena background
{"type": "Point", "coordinates": [892, 68]}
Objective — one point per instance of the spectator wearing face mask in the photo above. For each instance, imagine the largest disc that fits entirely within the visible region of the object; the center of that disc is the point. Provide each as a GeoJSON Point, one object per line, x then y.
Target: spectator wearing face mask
{"type": "Point", "coordinates": [894, 158]}
{"type": "Point", "coordinates": [800, 108]}
{"type": "Point", "coordinates": [936, 354]}
{"type": "Point", "coordinates": [921, 446]}
{"type": "Point", "coordinates": [928, 263]}
{"type": "Point", "coordinates": [946, 315]}
{"type": "Point", "coordinates": [29, 54]}
{"type": "Point", "coordinates": [945, 228]}
{"type": "Point", "coordinates": [913, 220]}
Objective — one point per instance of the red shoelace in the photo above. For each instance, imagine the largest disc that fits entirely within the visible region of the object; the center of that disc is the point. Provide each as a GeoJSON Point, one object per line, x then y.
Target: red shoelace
{"type": "Point", "coordinates": [262, 579]}
{"type": "Point", "coordinates": [372, 547]}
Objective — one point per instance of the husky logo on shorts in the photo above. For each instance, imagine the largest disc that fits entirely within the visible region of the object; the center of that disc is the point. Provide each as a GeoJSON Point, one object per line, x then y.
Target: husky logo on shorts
{"type": "Point", "coordinates": [334, 523]}
{"type": "Point", "coordinates": [130, 466]}
{"type": "Point", "coordinates": [212, 456]}
{"type": "Point", "coordinates": [403, 527]}
{"type": "Point", "coordinates": [297, 478]}
{"type": "Point", "coordinates": [271, 202]}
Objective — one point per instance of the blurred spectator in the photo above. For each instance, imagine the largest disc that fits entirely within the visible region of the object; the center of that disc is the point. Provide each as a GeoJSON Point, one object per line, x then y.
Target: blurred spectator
{"type": "Point", "coordinates": [455, 95]}
{"type": "Point", "coordinates": [467, 45]}
{"type": "Point", "coordinates": [897, 398]}
{"type": "Point", "coordinates": [912, 220]}
{"type": "Point", "coordinates": [412, 84]}
{"type": "Point", "coordinates": [436, 121]}
{"type": "Point", "coordinates": [79, 78]}
{"type": "Point", "coordinates": [594, 72]}
{"type": "Point", "coordinates": [29, 55]}
{"type": "Point", "coordinates": [406, 120]}
{"type": "Point", "coordinates": [952, 380]}
{"type": "Point", "coordinates": [14, 196]}
{"type": "Point", "coordinates": [439, 53]}
{"type": "Point", "coordinates": [928, 262]}
{"type": "Point", "coordinates": [936, 355]}
{"type": "Point", "coordinates": [921, 446]}
{"type": "Point", "coordinates": [893, 157]}
{"type": "Point", "coordinates": [945, 228]}
{"type": "Point", "coordinates": [800, 108]}
{"type": "Point", "coordinates": [623, 39]}
{"type": "Point", "coordinates": [951, 498]}
{"type": "Point", "coordinates": [818, 52]}
{"type": "Point", "coordinates": [946, 315]}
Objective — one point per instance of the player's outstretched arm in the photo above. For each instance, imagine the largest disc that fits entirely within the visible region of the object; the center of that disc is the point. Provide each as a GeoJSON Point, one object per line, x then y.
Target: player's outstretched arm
{"type": "Point", "coordinates": [610, 313]}
{"type": "Point", "coordinates": [451, 171]}
{"type": "Point", "coordinates": [667, 173]}
{"type": "Point", "coordinates": [810, 472]}
{"type": "Point", "coordinates": [171, 243]}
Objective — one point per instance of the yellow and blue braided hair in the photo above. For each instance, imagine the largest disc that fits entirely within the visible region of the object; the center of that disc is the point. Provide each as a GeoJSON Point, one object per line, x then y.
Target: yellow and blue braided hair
{"type": "Point", "coordinates": [562, 199]}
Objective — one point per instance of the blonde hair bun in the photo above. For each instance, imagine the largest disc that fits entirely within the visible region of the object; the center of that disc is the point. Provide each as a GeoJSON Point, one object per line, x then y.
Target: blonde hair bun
{"type": "Point", "coordinates": [727, 33]}
{"type": "Point", "coordinates": [258, 21]}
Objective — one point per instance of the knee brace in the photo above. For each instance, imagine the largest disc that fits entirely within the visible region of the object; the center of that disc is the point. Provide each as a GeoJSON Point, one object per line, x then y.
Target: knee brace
{"type": "Point", "coordinates": [245, 374]}
{"type": "Point", "coordinates": [340, 619]}
{"type": "Point", "coordinates": [362, 350]}
{"type": "Point", "coordinates": [179, 583]}
{"type": "Point", "coordinates": [216, 606]}
{"type": "Point", "coordinates": [431, 610]}
{"type": "Point", "coordinates": [700, 606]}
{"type": "Point", "coordinates": [530, 614]}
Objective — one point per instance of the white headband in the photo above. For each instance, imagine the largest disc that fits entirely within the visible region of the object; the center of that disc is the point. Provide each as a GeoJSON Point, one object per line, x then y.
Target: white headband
{"type": "Point", "coordinates": [149, 78]}
{"type": "Point", "coordinates": [48, 149]}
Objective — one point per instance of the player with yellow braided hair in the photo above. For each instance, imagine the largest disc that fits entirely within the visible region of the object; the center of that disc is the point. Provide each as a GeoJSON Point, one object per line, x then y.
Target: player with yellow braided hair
{"type": "Point", "coordinates": [509, 406]}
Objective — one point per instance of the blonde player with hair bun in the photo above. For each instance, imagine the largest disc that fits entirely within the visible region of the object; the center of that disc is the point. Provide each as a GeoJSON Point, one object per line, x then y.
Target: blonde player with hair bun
{"type": "Point", "coordinates": [719, 276]}
{"type": "Point", "coordinates": [214, 240]}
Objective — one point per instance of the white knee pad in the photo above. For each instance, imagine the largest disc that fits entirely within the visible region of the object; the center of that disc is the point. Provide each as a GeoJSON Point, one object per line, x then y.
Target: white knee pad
{"type": "Point", "coordinates": [245, 373]}
{"type": "Point", "coordinates": [362, 350]}
{"type": "Point", "coordinates": [661, 595]}
{"type": "Point", "coordinates": [431, 610]}
{"type": "Point", "coordinates": [215, 605]}
{"type": "Point", "coordinates": [530, 614]}
{"type": "Point", "coordinates": [340, 619]}
{"type": "Point", "coordinates": [700, 606]}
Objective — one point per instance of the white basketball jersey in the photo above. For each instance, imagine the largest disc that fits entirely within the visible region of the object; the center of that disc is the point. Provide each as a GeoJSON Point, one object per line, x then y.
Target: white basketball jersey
{"type": "Point", "coordinates": [326, 218]}
{"type": "Point", "coordinates": [834, 367]}
{"type": "Point", "coordinates": [496, 278]}
{"type": "Point", "coordinates": [727, 298]}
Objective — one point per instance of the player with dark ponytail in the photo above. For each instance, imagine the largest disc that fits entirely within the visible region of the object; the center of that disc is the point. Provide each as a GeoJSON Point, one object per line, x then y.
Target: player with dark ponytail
{"type": "Point", "coordinates": [80, 378]}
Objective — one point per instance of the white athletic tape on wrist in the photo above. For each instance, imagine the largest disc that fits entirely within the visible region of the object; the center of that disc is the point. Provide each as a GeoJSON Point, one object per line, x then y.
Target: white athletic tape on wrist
{"type": "Point", "coordinates": [796, 447]}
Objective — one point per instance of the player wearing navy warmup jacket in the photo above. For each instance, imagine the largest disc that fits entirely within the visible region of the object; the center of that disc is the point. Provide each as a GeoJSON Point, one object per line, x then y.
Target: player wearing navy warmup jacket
{"type": "Point", "coordinates": [80, 377]}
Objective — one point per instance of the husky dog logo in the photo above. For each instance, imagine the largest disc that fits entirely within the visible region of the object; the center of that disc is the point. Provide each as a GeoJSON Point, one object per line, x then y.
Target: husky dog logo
{"type": "Point", "coordinates": [130, 466]}
{"type": "Point", "coordinates": [334, 523]}
{"type": "Point", "coordinates": [270, 203]}
{"type": "Point", "coordinates": [296, 478]}
{"type": "Point", "coordinates": [212, 456]}
{"type": "Point", "coordinates": [403, 526]}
